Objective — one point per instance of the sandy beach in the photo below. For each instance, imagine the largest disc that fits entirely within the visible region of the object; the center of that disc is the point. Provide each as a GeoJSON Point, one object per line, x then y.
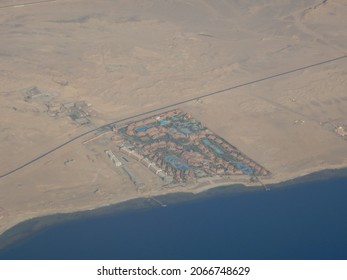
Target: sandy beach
{"type": "Point", "coordinates": [128, 57]}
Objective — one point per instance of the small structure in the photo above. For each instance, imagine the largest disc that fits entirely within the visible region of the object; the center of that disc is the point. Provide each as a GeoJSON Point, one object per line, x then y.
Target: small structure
{"type": "Point", "coordinates": [146, 162]}
{"type": "Point", "coordinates": [82, 121]}
{"type": "Point", "coordinates": [35, 93]}
{"type": "Point", "coordinates": [298, 122]}
{"type": "Point", "coordinates": [341, 131]}
{"type": "Point", "coordinates": [113, 158]}
{"type": "Point", "coordinates": [67, 106]}
{"type": "Point", "coordinates": [78, 111]}
{"type": "Point", "coordinates": [53, 108]}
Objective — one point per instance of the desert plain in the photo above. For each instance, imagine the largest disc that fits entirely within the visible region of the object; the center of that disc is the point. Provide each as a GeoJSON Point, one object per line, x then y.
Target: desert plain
{"type": "Point", "coordinates": [124, 58]}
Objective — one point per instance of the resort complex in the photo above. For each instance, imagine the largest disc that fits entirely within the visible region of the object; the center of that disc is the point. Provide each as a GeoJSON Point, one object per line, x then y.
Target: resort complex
{"type": "Point", "coordinates": [179, 149]}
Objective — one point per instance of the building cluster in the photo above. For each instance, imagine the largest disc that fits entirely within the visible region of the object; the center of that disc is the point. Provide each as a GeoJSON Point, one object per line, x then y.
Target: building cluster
{"type": "Point", "coordinates": [177, 147]}
{"type": "Point", "coordinates": [147, 163]}
{"type": "Point", "coordinates": [80, 112]}
{"type": "Point", "coordinates": [133, 177]}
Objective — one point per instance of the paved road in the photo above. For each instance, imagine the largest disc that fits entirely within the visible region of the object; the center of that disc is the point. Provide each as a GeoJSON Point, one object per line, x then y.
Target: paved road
{"type": "Point", "coordinates": [18, 5]}
{"type": "Point", "coordinates": [105, 126]}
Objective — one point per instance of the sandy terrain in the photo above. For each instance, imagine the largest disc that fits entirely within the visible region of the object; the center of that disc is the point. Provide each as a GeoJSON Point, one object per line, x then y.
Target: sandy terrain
{"type": "Point", "coordinates": [127, 57]}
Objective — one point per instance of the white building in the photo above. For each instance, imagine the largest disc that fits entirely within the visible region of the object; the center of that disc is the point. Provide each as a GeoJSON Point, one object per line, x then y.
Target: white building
{"type": "Point", "coordinates": [113, 158]}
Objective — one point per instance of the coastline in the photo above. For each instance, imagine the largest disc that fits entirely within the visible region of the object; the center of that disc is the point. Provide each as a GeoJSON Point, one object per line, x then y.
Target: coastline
{"type": "Point", "coordinates": [27, 228]}
{"type": "Point", "coordinates": [274, 90]}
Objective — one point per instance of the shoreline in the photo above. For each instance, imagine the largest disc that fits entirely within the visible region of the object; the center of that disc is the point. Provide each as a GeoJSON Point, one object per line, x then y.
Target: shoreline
{"type": "Point", "coordinates": [274, 92]}
{"type": "Point", "coordinates": [23, 230]}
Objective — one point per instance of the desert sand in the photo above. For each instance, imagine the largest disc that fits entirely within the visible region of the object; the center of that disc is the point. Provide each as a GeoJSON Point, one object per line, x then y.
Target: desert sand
{"type": "Point", "coordinates": [127, 57]}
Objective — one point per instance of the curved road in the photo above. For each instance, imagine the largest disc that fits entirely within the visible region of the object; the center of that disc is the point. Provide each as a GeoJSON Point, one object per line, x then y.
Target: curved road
{"type": "Point", "coordinates": [167, 107]}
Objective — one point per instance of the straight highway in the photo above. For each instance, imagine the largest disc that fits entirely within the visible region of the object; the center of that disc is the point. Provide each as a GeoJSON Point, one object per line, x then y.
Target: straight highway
{"type": "Point", "coordinates": [106, 126]}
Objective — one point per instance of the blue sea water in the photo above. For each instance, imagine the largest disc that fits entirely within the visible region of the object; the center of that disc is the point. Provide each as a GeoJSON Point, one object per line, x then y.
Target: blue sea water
{"type": "Point", "coordinates": [307, 220]}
